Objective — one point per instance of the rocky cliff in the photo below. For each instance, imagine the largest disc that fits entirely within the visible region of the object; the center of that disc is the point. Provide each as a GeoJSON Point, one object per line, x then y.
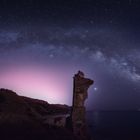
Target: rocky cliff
{"type": "Point", "coordinates": [24, 118]}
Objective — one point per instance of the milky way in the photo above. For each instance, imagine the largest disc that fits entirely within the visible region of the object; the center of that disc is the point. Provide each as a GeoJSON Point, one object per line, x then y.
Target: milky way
{"type": "Point", "coordinates": [37, 56]}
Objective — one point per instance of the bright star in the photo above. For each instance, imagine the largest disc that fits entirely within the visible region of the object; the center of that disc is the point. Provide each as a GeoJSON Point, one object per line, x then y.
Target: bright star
{"type": "Point", "coordinates": [95, 88]}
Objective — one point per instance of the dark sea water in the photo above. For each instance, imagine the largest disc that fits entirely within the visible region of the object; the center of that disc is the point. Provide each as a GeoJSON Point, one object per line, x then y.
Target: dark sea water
{"type": "Point", "coordinates": [114, 125]}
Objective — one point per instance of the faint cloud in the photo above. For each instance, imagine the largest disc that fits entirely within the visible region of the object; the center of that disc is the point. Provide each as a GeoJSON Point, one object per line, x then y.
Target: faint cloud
{"type": "Point", "coordinates": [7, 37]}
{"type": "Point", "coordinates": [97, 56]}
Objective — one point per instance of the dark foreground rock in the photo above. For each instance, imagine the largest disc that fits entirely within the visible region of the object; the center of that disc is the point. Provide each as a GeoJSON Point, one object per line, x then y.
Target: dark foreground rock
{"type": "Point", "coordinates": [22, 118]}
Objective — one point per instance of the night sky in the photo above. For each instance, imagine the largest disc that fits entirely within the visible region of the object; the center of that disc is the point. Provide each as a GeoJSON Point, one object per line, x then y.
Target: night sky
{"type": "Point", "coordinates": [44, 43]}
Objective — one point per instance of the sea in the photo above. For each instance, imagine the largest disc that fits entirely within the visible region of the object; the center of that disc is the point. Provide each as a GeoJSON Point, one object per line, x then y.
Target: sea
{"type": "Point", "coordinates": [114, 125]}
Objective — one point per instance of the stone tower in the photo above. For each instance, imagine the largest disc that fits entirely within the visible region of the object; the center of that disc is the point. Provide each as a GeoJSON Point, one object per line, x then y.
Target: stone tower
{"type": "Point", "coordinates": [80, 94]}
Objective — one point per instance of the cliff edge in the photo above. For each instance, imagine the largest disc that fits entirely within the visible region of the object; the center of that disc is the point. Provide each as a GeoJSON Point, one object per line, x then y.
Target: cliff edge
{"type": "Point", "coordinates": [26, 118]}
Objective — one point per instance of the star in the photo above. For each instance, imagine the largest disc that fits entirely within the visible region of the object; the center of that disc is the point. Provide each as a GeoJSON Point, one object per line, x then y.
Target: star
{"type": "Point", "coordinates": [95, 88]}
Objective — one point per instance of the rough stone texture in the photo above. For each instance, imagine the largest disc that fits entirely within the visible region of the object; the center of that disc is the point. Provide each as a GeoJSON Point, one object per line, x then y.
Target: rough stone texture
{"type": "Point", "coordinates": [23, 118]}
{"type": "Point", "coordinates": [80, 94]}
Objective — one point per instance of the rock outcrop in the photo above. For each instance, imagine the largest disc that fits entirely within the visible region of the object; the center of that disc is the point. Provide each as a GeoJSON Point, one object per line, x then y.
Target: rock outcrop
{"type": "Point", "coordinates": [25, 118]}
{"type": "Point", "coordinates": [78, 114]}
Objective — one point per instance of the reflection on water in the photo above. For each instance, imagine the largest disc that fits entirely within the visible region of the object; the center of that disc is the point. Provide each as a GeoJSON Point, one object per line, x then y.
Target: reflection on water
{"type": "Point", "coordinates": [114, 125]}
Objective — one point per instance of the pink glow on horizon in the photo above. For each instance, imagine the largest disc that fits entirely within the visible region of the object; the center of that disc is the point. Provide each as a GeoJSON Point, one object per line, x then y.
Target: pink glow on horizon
{"type": "Point", "coordinates": [53, 86]}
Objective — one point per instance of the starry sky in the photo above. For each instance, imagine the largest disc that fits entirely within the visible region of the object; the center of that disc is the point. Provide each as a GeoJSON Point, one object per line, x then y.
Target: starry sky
{"type": "Point", "coordinates": [43, 43]}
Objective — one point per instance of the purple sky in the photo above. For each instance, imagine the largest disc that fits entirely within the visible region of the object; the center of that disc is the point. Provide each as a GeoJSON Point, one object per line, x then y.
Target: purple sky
{"type": "Point", "coordinates": [44, 43]}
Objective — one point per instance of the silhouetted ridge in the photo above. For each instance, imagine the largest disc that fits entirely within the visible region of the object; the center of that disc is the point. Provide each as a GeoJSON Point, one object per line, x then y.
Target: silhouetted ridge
{"type": "Point", "coordinates": [26, 118]}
